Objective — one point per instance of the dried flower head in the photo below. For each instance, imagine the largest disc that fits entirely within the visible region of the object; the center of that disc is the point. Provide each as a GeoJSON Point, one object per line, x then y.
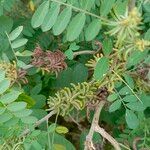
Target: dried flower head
{"type": "Point", "coordinates": [75, 97]}
{"type": "Point", "coordinates": [12, 73]}
{"type": "Point", "coordinates": [10, 70]}
{"type": "Point", "coordinates": [134, 45]}
{"type": "Point", "coordinates": [142, 44]}
{"type": "Point", "coordinates": [48, 61]}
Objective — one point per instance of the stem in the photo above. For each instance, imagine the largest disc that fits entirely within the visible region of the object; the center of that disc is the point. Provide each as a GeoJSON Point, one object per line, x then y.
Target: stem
{"type": "Point", "coordinates": [108, 137]}
{"type": "Point", "coordinates": [83, 52]}
{"type": "Point", "coordinates": [89, 51]}
{"type": "Point", "coordinates": [135, 141]}
{"type": "Point", "coordinates": [124, 146]}
{"type": "Point", "coordinates": [78, 9]}
{"type": "Point", "coordinates": [96, 128]}
{"type": "Point", "coordinates": [127, 85]}
{"type": "Point", "coordinates": [53, 136]}
{"type": "Point", "coordinates": [11, 46]}
{"type": "Point", "coordinates": [120, 98]}
{"type": "Point", "coordinates": [38, 123]}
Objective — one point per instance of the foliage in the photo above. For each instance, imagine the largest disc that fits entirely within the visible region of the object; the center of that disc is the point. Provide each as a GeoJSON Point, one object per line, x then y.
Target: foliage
{"type": "Point", "coordinates": [65, 57]}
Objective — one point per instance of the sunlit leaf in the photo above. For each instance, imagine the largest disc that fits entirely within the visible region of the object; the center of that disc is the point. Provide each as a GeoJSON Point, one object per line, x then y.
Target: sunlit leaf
{"type": "Point", "coordinates": [15, 33]}
{"type": "Point", "coordinates": [75, 27]}
{"type": "Point", "coordinates": [40, 14]}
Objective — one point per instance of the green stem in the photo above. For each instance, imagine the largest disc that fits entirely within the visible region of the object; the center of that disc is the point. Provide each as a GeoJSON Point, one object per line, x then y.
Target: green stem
{"type": "Point", "coordinates": [48, 136]}
{"type": "Point", "coordinates": [80, 10]}
{"type": "Point", "coordinates": [124, 146]}
{"type": "Point", "coordinates": [120, 98]}
{"type": "Point", "coordinates": [127, 85]}
{"type": "Point", "coordinates": [54, 130]}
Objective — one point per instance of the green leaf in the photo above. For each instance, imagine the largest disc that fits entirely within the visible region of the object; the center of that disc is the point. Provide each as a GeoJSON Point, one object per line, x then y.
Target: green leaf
{"type": "Point", "coordinates": [29, 120]}
{"type": "Point", "coordinates": [136, 106]}
{"type": "Point", "coordinates": [87, 4]}
{"type": "Point", "coordinates": [62, 21]}
{"type": "Point", "coordinates": [24, 53]}
{"type": "Point", "coordinates": [107, 46]}
{"type": "Point", "coordinates": [112, 97]}
{"type": "Point", "coordinates": [69, 54]}
{"type": "Point", "coordinates": [59, 147]}
{"type": "Point", "coordinates": [130, 98]}
{"type": "Point", "coordinates": [5, 117]}
{"type": "Point", "coordinates": [11, 122]}
{"type": "Point", "coordinates": [101, 68]}
{"type": "Point", "coordinates": [4, 85]}
{"type": "Point", "coordinates": [36, 90]}
{"type": "Point", "coordinates": [6, 24]}
{"type": "Point", "coordinates": [4, 40]}
{"type": "Point", "coordinates": [35, 133]}
{"type": "Point", "coordinates": [2, 110]}
{"type": "Point", "coordinates": [62, 130]}
{"type": "Point", "coordinates": [129, 80]}
{"type": "Point", "coordinates": [52, 128]}
{"type": "Point", "coordinates": [120, 7]}
{"type": "Point", "coordinates": [28, 99]}
{"type": "Point", "coordinates": [40, 101]}
{"type": "Point", "coordinates": [75, 27]}
{"type": "Point", "coordinates": [131, 119]}
{"type": "Point", "coordinates": [115, 106]}
{"type": "Point", "coordinates": [106, 7]}
{"type": "Point", "coordinates": [36, 145]}
{"type": "Point", "coordinates": [21, 64]}
{"type": "Point", "coordinates": [135, 58]}
{"type": "Point", "coordinates": [19, 43]}
{"type": "Point", "coordinates": [9, 97]}
{"type": "Point", "coordinates": [147, 35]}
{"type": "Point", "coordinates": [15, 33]}
{"type": "Point", "coordinates": [39, 15]}
{"type": "Point", "coordinates": [1, 10]}
{"type": "Point", "coordinates": [92, 30]}
{"type": "Point", "coordinates": [145, 99]}
{"type": "Point", "coordinates": [16, 106]}
{"type": "Point", "coordinates": [63, 141]}
{"type": "Point", "coordinates": [80, 73]}
{"type": "Point", "coordinates": [2, 75]}
{"type": "Point", "coordinates": [39, 113]}
{"type": "Point", "coordinates": [125, 91]}
{"type": "Point", "coordinates": [51, 17]}
{"type": "Point", "coordinates": [23, 113]}
{"type": "Point", "coordinates": [74, 47]}
{"type": "Point", "coordinates": [64, 79]}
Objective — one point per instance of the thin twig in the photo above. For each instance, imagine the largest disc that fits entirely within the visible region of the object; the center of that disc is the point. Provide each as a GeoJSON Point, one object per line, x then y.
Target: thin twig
{"type": "Point", "coordinates": [97, 43]}
{"type": "Point", "coordinates": [39, 122]}
{"type": "Point", "coordinates": [83, 52]}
